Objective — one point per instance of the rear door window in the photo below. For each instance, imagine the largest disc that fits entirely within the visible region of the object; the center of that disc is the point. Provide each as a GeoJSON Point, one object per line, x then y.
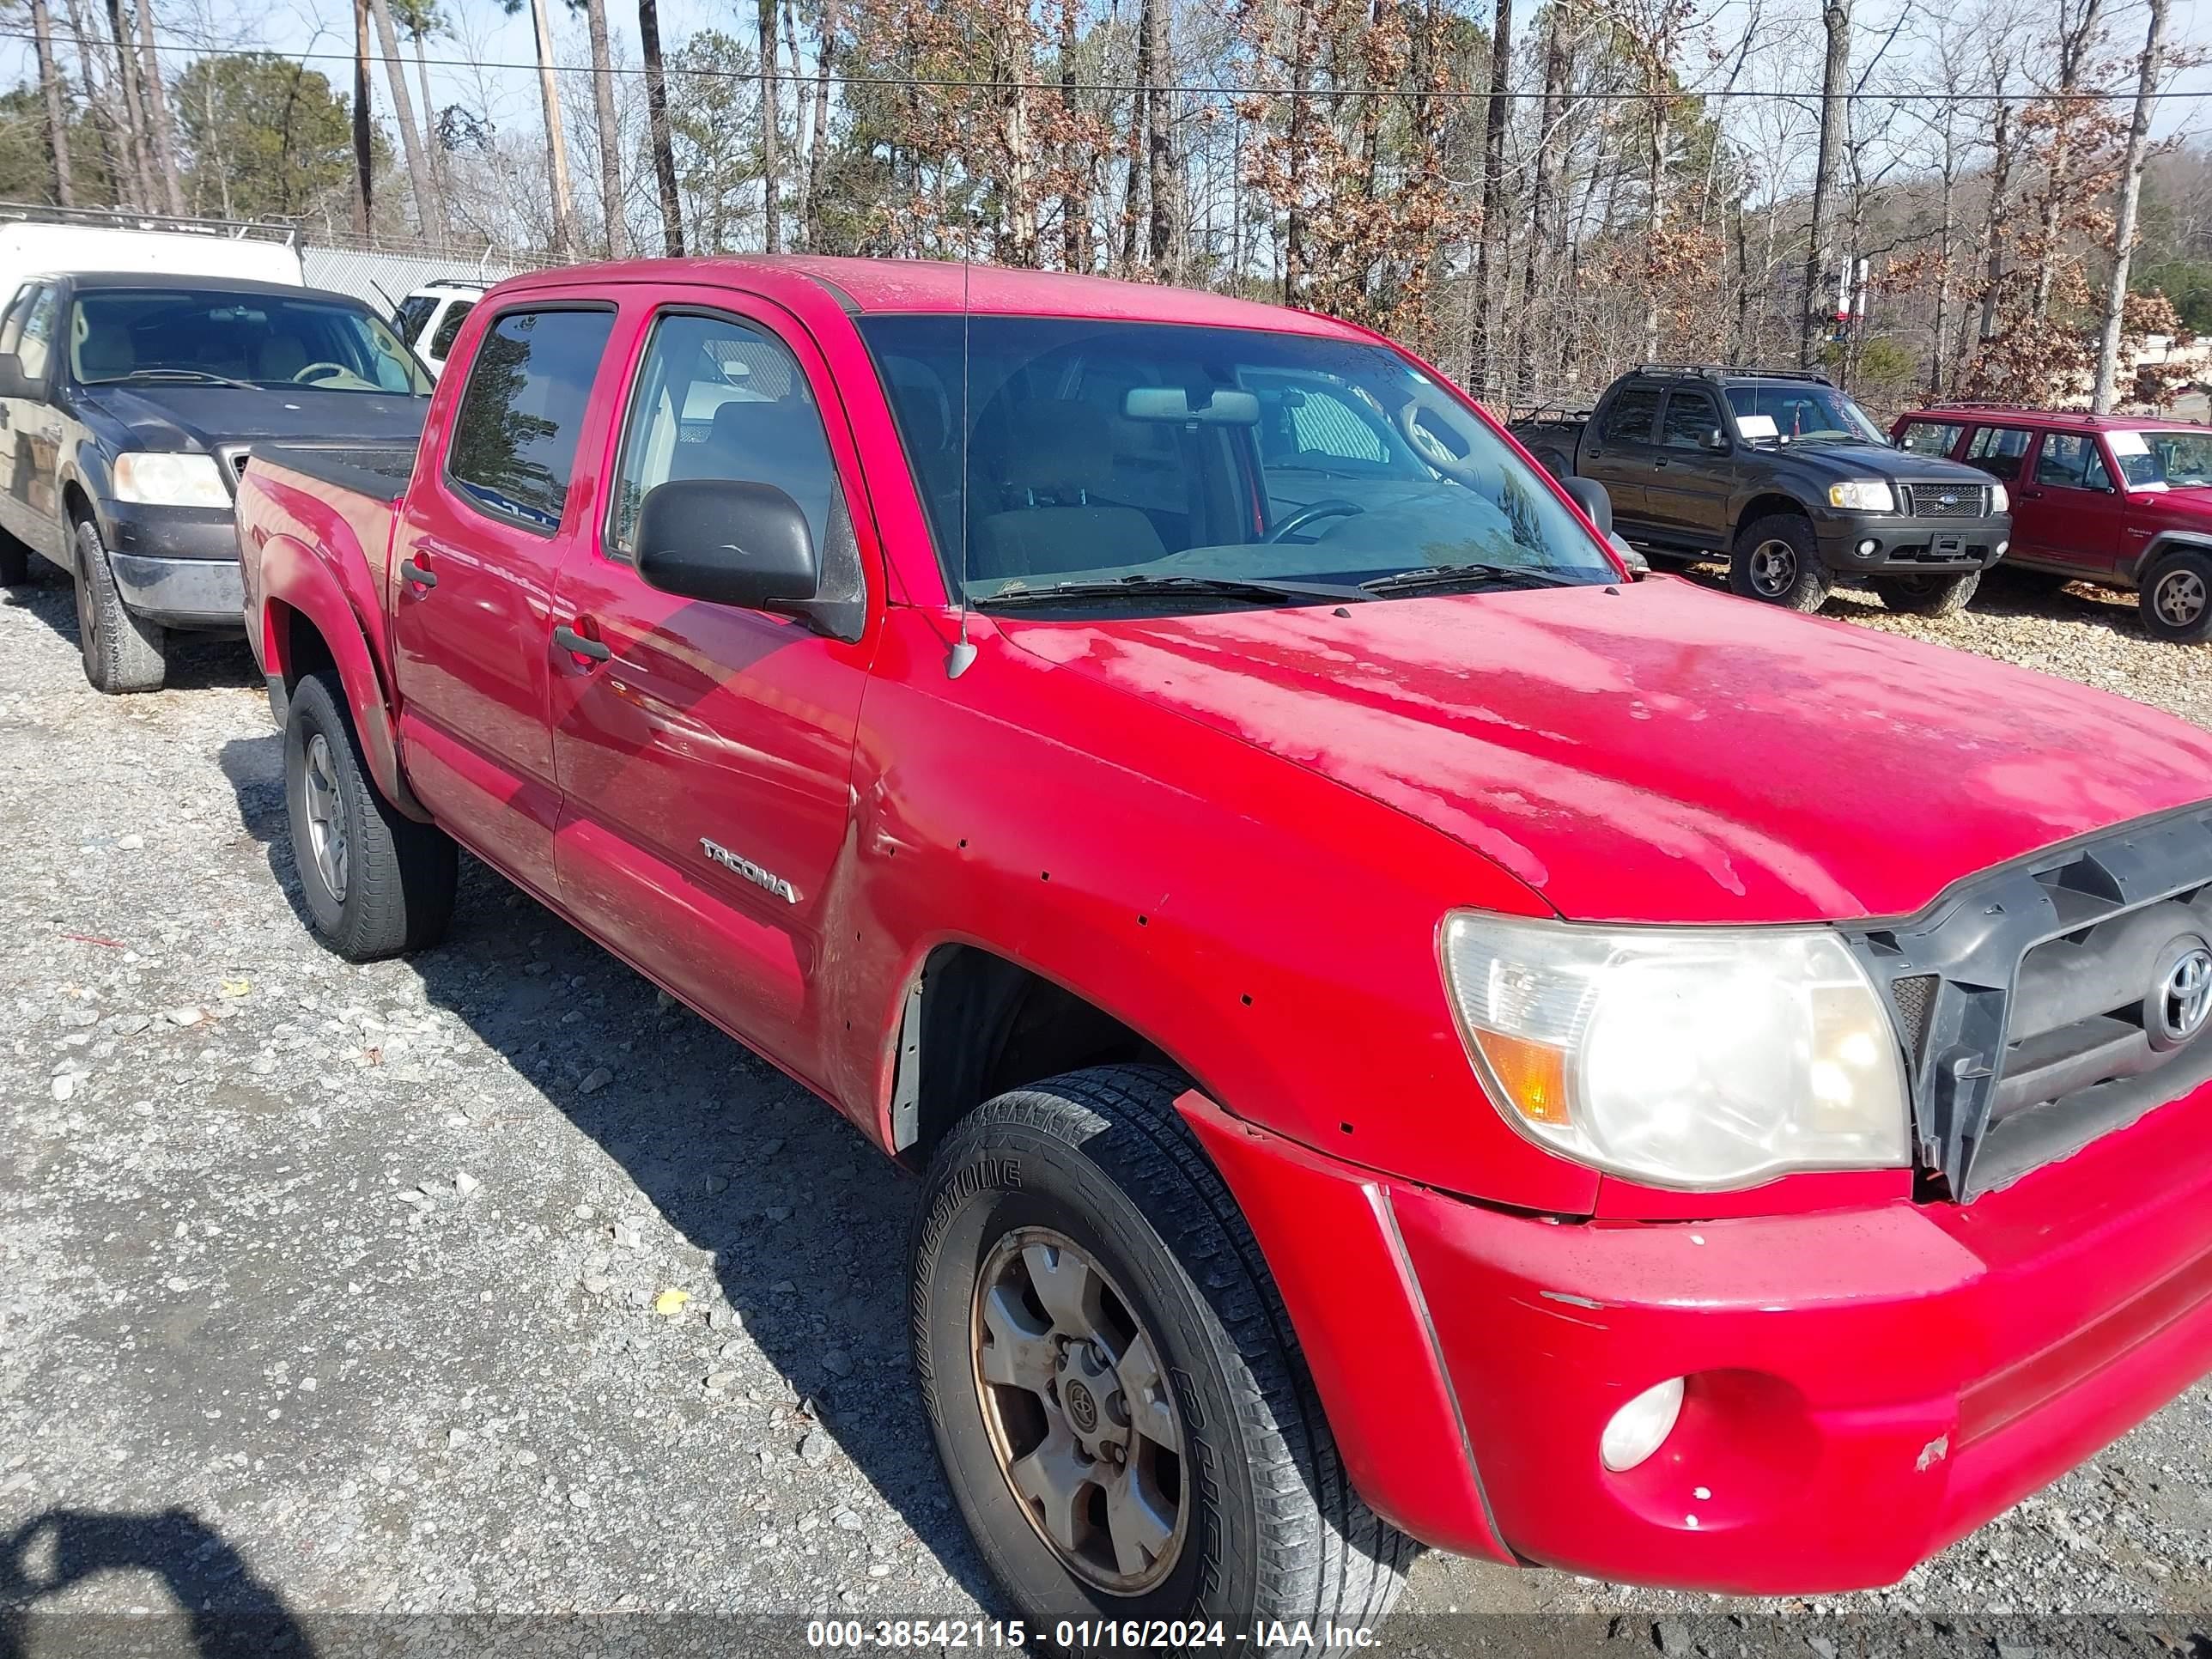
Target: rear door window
{"type": "Point", "coordinates": [449, 329]}
{"type": "Point", "coordinates": [1999, 450]}
{"type": "Point", "coordinates": [1930, 437]}
{"type": "Point", "coordinates": [513, 446]}
{"type": "Point", "coordinates": [1629, 417]}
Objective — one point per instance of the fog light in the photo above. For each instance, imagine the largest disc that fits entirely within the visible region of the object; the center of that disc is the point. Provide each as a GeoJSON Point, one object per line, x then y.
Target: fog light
{"type": "Point", "coordinates": [1638, 1428]}
{"type": "Point", "coordinates": [1866, 548]}
{"type": "Point", "coordinates": [2003, 545]}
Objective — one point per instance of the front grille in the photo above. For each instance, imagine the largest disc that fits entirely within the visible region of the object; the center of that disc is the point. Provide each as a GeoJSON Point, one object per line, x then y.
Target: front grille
{"type": "Point", "coordinates": [2049, 1002]}
{"type": "Point", "coordinates": [234, 458]}
{"type": "Point", "coordinates": [1943, 500]}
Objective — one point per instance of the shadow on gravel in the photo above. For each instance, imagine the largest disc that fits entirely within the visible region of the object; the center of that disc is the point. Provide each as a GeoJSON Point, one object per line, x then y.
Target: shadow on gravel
{"type": "Point", "coordinates": [227, 1613]}
{"type": "Point", "coordinates": [806, 1221]}
{"type": "Point", "coordinates": [196, 661]}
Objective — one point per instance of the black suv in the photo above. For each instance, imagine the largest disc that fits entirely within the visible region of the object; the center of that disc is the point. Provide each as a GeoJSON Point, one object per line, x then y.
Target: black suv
{"type": "Point", "coordinates": [1788, 477]}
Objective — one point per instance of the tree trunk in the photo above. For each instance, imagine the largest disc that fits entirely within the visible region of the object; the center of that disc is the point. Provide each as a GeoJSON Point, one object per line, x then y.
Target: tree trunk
{"type": "Point", "coordinates": [1139, 100]}
{"type": "Point", "coordinates": [771, 181]}
{"type": "Point", "coordinates": [410, 140]}
{"type": "Point", "coordinates": [51, 89]}
{"type": "Point", "coordinates": [433, 149]}
{"type": "Point", "coordinates": [1162, 180]}
{"type": "Point", "coordinates": [363, 223]}
{"type": "Point", "coordinates": [817, 147]}
{"type": "Point", "coordinates": [1655, 187]}
{"type": "Point", "coordinates": [1490, 247]}
{"type": "Point", "coordinates": [802, 128]}
{"type": "Point", "coordinates": [2074, 43]}
{"type": "Point", "coordinates": [104, 124]}
{"type": "Point", "coordinates": [603, 113]}
{"type": "Point", "coordinates": [656, 108]}
{"type": "Point", "coordinates": [556, 139]}
{"type": "Point", "coordinates": [2000, 147]}
{"type": "Point", "coordinates": [2123, 226]}
{"type": "Point", "coordinates": [1074, 202]}
{"type": "Point", "coordinates": [156, 95]}
{"type": "Point", "coordinates": [1835, 126]}
{"type": "Point", "coordinates": [135, 123]}
{"type": "Point", "coordinates": [1543, 185]}
{"type": "Point", "coordinates": [1294, 229]}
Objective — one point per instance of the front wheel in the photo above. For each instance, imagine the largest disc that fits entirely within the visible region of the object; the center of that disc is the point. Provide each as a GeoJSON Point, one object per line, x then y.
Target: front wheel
{"type": "Point", "coordinates": [1777, 559]}
{"type": "Point", "coordinates": [122, 651]}
{"type": "Point", "coordinates": [2176, 599]}
{"type": "Point", "coordinates": [376, 883]}
{"type": "Point", "coordinates": [1111, 1378]}
{"type": "Point", "coordinates": [1927, 596]}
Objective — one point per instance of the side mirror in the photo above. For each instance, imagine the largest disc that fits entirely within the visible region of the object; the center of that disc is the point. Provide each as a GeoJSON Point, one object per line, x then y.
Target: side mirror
{"type": "Point", "coordinates": [1716, 441]}
{"type": "Point", "coordinates": [1638, 566]}
{"type": "Point", "coordinates": [727, 541]}
{"type": "Point", "coordinates": [1589, 495]}
{"type": "Point", "coordinates": [14, 383]}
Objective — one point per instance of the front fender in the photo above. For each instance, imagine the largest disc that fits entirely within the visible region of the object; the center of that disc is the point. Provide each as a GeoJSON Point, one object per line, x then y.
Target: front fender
{"type": "Point", "coordinates": [2166, 541]}
{"type": "Point", "coordinates": [298, 589]}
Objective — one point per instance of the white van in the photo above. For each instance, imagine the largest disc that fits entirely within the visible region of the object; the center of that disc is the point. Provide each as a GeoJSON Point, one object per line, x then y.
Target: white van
{"type": "Point", "coordinates": [29, 248]}
{"type": "Point", "coordinates": [429, 318]}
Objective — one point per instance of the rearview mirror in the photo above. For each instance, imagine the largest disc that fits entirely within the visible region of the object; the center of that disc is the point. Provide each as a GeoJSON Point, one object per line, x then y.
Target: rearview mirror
{"type": "Point", "coordinates": [1171, 404]}
{"type": "Point", "coordinates": [1589, 495]}
{"type": "Point", "coordinates": [727, 541]}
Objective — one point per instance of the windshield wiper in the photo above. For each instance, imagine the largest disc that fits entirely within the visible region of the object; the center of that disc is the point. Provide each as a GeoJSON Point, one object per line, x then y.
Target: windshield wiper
{"type": "Point", "coordinates": [209, 376]}
{"type": "Point", "coordinates": [1456, 576]}
{"type": "Point", "coordinates": [1200, 587]}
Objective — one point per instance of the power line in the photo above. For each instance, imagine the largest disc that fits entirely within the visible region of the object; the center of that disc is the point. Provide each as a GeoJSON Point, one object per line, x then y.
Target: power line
{"type": "Point", "coordinates": [1214, 90]}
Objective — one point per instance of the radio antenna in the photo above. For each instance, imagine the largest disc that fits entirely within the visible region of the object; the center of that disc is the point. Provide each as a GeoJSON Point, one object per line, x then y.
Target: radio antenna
{"type": "Point", "coordinates": [962, 656]}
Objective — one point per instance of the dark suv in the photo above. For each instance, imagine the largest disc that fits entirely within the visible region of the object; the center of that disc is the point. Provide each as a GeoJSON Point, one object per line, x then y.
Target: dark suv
{"type": "Point", "coordinates": [1788, 478]}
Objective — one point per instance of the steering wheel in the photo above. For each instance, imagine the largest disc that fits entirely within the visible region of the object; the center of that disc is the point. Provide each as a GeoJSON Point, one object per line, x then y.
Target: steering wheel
{"type": "Point", "coordinates": [1334, 508]}
{"type": "Point", "coordinates": [319, 372]}
{"type": "Point", "coordinates": [1427, 445]}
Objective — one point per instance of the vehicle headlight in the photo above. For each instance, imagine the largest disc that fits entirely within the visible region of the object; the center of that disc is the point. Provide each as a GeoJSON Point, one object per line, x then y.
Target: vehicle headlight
{"type": "Point", "coordinates": [2000, 501]}
{"type": "Point", "coordinates": [155, 477]}
{"type": "Point", "coordinates": [1863, 495]}
{"type": "Point", "coordinates": [1699, 1057]}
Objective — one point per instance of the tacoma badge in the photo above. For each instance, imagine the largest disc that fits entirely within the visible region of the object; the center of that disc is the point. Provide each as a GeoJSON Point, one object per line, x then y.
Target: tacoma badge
{"type": "Point", "coordinates": [751, 871]}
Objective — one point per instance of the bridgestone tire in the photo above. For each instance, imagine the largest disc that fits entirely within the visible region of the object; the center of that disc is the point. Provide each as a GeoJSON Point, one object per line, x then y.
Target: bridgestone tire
{"type": "Point", "coordinates": [1777, 561]}
{"type": "Point", "coordinates": [122, 651]}
{"type": "Point", "coordinates": [1101, 1159]}
{"type": "Point", "coordinates": [1927, 596]}
{"type": "Point", "coordinates": [398, 875]}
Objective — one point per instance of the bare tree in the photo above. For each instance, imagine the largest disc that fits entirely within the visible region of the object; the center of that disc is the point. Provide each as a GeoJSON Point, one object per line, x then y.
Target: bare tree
{"type": "Point", "coordinates": [136, 124]}
{"type": "Point", "coordinates": [663, 151]}
{"type": "Point", "coordinates": [1074, 200]}
{"type": "Point", "coordinates": [2077, 34]}
{"type": "Point", "coordinates": [1835, 128]}
{"type": "Point", "coordinates": [419, 20]}
{"type": "Point", "coordinates": [610, 133]}
{"type": "Point", "coordinates": [161, 130]}
{"type": "Point", "coordinates": [419, 184]}
{"type": "Point", "coordinates": [364, 221]}
{"type": "Point", "coordinates": [771, 181]}
{"type": "Point", "coordinates": [1163, 182]}
{"type": "Point", "coordinates": [57, 104]}
{"type": "Point", "coordinates": [563, 228]}
{"type": "Point", "coordinates": [1490, 246]}
{"type": "Point", "coordinates": [2123, 226]}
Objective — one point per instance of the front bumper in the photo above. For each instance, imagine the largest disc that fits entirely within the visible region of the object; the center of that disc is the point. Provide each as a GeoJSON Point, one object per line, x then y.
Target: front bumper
{"type": "Point", "coordinates": [176, 566]}
{"type": "Point", "coordinates": [1866, 1385]}
{"type": "Point", "coordinates": [1907, 546]}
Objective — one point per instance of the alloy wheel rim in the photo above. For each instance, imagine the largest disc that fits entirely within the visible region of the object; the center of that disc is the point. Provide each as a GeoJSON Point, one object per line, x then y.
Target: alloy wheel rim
{"type": "Point", "coordinates": [326, 837]}
{"type": "Point", "coordinates": [1773, 567]}
{"type": "Point", "coordinates": [2179, 600]}
{"type": "Point", "coordinates": [1079, 1412]}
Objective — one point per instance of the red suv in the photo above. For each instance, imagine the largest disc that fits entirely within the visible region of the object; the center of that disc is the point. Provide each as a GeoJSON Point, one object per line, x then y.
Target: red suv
{"type": "Point", "coordinates": [2112, 498]}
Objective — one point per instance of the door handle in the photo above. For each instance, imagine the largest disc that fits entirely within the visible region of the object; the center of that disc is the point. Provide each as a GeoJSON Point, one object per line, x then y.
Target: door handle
{"type": "Point", "coordinates": [1660, 464]}
{"type": "Point", "coordinates": [421, 574]}
{"type": "Point", "coordinates": [581, 645]}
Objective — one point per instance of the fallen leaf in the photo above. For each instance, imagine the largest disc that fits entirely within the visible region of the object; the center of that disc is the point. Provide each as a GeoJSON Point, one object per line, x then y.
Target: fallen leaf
{"type": "Point", "coordinates": [669, 1305]}
{"type": "Point", "coordinates": [236, 987]}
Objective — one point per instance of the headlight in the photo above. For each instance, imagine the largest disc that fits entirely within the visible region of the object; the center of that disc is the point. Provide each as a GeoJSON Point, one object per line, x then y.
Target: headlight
{"type": "Point", "coordinates": [1863, 495]}
{"type": "Point", "coordinates": [1699, 1057]}
{"type": "Point", "coordinates": [163, 479]}
{"type": "Point", "coordinates": [1999, 501]}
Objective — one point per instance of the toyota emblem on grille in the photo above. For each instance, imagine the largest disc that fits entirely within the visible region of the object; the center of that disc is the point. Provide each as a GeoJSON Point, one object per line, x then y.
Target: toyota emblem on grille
{"type": "Point", "coordinates": [2184, 999]}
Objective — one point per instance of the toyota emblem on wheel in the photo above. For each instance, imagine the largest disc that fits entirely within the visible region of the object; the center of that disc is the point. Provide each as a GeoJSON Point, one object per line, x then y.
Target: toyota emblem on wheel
{"type": "Point", "coordinates": [2185, 997]}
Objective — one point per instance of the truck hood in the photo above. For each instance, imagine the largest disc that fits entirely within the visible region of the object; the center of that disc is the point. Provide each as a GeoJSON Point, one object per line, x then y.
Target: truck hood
{"type": "Point", "coordinates": [1865, 460]}
{"type": "Point", "coordinates": [208, 417]}
{"type": "Point", "coordinates": [1658, 753]}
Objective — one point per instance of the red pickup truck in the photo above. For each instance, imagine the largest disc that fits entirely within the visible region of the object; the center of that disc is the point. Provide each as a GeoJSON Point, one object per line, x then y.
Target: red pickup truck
{"type": "Point", "coordinates": [1406, 1034]}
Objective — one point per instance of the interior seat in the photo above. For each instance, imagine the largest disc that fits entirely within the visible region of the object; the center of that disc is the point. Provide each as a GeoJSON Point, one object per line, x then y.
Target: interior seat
{"type": "Point", "coordinates": [1059, 456]}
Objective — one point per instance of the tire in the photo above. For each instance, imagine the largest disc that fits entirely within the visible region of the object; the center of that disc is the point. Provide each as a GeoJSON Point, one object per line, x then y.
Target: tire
{"type": "Point", "coordinates": [1776, 560]}
{"type": "Point", "coordinates": [2176, 598]}
{"type": "Point", "coordinates": [1927, 596]}
{"type": "Point", "coordinates": [385, 885]}
{"type": "Point", "coordinates": [122, 651]}
{"type": "Point", "coordinates": [1266, 1524]}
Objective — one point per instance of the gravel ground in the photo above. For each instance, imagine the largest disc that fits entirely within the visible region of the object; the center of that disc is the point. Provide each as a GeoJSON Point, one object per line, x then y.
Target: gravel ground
{"type": "Point", "coordinates": [491, 1281]}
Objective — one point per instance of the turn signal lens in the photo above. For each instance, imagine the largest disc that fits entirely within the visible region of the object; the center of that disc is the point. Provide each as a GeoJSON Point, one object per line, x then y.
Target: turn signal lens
{"type": "Point", "coordinates": [1641, 1427]}
{"type": "Point", "coordinates": [1533, 1076]}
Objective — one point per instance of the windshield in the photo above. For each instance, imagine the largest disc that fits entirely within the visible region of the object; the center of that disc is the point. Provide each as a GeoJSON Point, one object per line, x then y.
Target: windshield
{"type": "Point", "coordinates": [1804, 411]}
{"type": "Point", "coordinates": [229, 338]}
{"type": "Point", "coordinates": [1153, 454]}
{"type": "Point", "coordinates": [2167, 461]}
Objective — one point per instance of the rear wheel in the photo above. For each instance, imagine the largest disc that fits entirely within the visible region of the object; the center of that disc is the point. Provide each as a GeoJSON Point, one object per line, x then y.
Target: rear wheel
{"type": "Point", "coordinates": [1927, 596]}
{"type": "Point", "coordinates": [375, 881]}
{"type": "Point", "coordinates": [122, 651]}
{"type": "Point", "coordinates": [2176, 599]}
{"type": "Point", "coordinates": [1111, 1379]}
{"type": "Point", "coordinates": [1777, 559]}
